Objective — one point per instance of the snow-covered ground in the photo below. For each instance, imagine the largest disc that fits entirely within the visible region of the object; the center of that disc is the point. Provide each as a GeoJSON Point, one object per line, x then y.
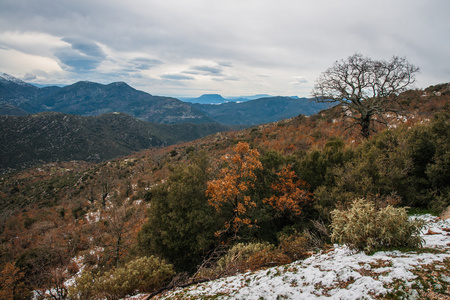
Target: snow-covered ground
{"type": "Point", "coordinates": [344, 274]}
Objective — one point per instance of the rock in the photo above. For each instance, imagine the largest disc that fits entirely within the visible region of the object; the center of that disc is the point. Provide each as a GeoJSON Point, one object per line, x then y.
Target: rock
{"type": "Point", "coordinates": [445, 214]}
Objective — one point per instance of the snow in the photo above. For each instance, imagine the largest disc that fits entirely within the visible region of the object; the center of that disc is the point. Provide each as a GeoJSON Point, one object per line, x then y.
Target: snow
{"type": "Point", "coordinates": [7, 77]}
{"type": "Point", "coordinates": [338, 274]}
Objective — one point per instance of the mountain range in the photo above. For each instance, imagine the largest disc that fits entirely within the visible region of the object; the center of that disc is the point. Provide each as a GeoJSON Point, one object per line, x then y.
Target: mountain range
{"type": "Point", "coordinates": [263, 110]}
{"type": "Point", "coordinates": [96, 122]}
{"type": "Point", "coordinates": [92, 99]}
{"type": "Point", "coordinates": [219, 99]}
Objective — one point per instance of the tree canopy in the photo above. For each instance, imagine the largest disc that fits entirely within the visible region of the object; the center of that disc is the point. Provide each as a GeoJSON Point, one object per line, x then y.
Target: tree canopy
{"type": "Point", "coordinates": [232, 186]}
{"type": "Point", "coordinates": [365, 86]}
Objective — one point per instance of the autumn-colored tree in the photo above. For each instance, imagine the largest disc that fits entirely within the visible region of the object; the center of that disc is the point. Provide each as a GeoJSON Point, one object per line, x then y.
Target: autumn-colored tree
{"type": "Point", "coordinates": [290, 192]}
{"type": "Point", "coordinates": [12, 285]}
{"type": "Point", "coordinates": [231, 189]}
{"type": "Point", "coordinates": [116, 229]}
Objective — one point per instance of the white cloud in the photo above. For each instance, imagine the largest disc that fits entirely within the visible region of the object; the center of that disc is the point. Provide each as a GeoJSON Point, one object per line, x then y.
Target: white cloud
{"type": "Point", "coordinates": [19, 64]}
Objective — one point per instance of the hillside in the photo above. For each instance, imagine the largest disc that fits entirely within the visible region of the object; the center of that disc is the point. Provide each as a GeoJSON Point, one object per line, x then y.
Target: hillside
{"type": "Point", "coordinates": [83, 230]}
{"type": "Point", "coordinates": [341, 273]}
{"type": "Point", "coordinates": [11, 110]}
{"type": "Point", "coordinates": [50, 137]}
{"type": "Point", "coordinates": [15, 91]}
{"type": "Point", "coordinates": [260, 111]}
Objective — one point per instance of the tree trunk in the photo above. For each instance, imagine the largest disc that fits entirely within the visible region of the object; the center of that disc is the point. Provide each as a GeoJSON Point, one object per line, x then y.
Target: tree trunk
{"type": "Point", "coordinates": [365, 126]}
{"type": "Point", "coordinates": [117, 254]}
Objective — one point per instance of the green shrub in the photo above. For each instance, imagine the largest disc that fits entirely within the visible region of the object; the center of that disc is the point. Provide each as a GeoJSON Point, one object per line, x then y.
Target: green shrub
{"type": "Point", "coordinates": [364, 227]}
{"type": "Point", "coordinates": [144, 274]}
{"type": "Point", "coordinates": [181, 225]}
{"type": "Point", "coordinates": [429, 145]}
{"type": "Point", "coordinates": [380, 166]}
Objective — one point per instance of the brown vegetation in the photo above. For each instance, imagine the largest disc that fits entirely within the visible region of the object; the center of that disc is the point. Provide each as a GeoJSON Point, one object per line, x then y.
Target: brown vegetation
{"type": "Point", "coordinates": [63, 218]}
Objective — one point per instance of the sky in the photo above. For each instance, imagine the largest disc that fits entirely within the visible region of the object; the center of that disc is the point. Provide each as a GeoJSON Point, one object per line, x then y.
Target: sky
{"type": "Point", "coordinates": [230, 47]}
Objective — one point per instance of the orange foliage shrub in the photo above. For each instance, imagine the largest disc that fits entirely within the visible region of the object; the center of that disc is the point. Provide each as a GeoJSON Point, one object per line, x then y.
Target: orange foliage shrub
{"type": "Point", "coordinates": [12, 285]}
{"type": "Point", "coordinates": [234, 181]}
{"type": "Point", "coordinates": [290, 192]}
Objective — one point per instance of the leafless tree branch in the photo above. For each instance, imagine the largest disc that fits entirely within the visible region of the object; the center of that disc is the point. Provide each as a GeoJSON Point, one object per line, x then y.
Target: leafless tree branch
{"type": "Point", "coordinates": [365, 86]}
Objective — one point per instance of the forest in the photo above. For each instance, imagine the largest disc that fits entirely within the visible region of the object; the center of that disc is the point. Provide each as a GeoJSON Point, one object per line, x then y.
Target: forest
{"type": "Point", "coordinates": [229, 202]}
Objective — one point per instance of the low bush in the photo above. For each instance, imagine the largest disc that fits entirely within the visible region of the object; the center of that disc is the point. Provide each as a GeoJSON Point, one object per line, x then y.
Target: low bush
{"type": "Point", "coordinates": [144, 274]}
{"type": "Point", "coordinates": [254, 256]}
{"type": "Point", "coordinates": [364, 227]}
{"type": "Point", "coordinates": [295, 246]}
{"type": "Point", "coordinates": [244, 256]}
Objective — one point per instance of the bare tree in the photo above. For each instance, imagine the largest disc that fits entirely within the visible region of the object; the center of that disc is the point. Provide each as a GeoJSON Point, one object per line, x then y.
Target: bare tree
{"type": "Point", "coordinates": [366, 87]}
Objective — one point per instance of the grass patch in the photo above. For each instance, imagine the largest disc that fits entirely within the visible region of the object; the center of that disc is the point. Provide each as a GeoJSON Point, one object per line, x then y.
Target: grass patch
{"type": "Point", "coordinates": [421, 211]}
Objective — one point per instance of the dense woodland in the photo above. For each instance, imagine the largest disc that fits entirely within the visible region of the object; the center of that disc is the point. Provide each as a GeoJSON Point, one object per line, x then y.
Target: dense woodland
{"type": "Point", "coordinates": [226, 203]}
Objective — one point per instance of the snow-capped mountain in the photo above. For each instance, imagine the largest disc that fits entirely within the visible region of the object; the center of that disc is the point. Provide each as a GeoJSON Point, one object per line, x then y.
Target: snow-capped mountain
{"type": "Point", "coordinates": [6, 78]}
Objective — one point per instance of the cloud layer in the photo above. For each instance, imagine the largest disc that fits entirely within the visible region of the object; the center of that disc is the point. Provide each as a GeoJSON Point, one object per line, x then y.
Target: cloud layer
{"type": "Point", "coordinates": [186, 48]}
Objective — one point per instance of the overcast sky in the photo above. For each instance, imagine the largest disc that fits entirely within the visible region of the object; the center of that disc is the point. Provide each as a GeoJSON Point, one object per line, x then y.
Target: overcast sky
{"type": "Point", "coordinates": [230, 47]}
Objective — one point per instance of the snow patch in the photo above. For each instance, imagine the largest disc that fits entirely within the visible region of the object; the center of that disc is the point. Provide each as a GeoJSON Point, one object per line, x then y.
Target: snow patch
{"type": "Point", "coordinates": [338, 274]}
{"type": "Point", "coordinates": [9, 78]}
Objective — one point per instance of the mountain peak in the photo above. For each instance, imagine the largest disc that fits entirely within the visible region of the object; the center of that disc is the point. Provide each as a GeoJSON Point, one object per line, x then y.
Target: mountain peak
{"type": "Point", "coordinates": [85, 82]}
{"type": "Point", "coordinates": [209, 96]}
{"type": "Point", "coordinates": [119, 83]}
{"type": "Point", "coordinates": [8, 78]}
{"type": "Point", "coordinates": [209, 99]}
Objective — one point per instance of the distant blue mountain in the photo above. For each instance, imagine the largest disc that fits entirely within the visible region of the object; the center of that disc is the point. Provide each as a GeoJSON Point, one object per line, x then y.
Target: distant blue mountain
{"type": "Point", "coordinates": [218, 99]}
{"type": "Point", "coordinates": [47, 85]}
{"type": "Point", "coordinates": [248, 98]}
{"type": "Point", "coordinates": [206, 99]}
{"type": "Point", "coordinates": [259, 111]}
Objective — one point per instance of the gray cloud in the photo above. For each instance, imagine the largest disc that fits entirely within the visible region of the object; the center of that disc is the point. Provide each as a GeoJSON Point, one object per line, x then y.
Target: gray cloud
{"type": "Point", "coordinates": [298, 80]}
{"type": "Point", "coordinates": [85, 46]}
{"type": "Point", "coordinates": [83, 55]}
{"type": "Point", "coordinates": [29, 77]}
{"type": "Point", "coordinates": [177, 77]}
{"type": "Point", "coordinates": [142, 63]}
{"type": "Point", "coordinates": [207, 70]}
{"type": "Point", "coordinates": [76, 62]}
{"type": "Point", "coordinates": [225, 64]}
